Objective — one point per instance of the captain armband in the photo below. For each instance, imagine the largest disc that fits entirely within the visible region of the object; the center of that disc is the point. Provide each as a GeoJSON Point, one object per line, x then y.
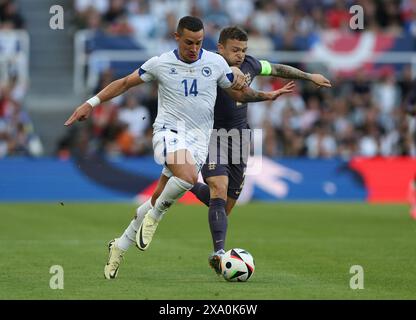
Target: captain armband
{"type": "Point", "coordinates": [266, 68]}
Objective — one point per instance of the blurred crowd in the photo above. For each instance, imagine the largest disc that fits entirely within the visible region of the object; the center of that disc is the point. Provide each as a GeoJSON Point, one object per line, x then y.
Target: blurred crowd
{"type": "Point", "coordinates": [17, 136]}
{"type": "Point", "coordinates": [271, 24]}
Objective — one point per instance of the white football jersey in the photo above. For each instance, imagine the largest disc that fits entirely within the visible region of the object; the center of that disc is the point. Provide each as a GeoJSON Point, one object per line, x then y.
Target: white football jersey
{"type": "Point", "coordinates": [187, 91]}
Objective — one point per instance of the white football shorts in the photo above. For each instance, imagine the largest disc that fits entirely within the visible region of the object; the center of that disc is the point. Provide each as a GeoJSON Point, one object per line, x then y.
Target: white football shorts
{"type": "Point", "coordinates": [166, 141]}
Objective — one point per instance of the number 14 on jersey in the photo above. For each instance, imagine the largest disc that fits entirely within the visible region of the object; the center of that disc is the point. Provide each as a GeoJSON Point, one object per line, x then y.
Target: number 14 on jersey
{"type": "Point", "coordinates": [193, 89]}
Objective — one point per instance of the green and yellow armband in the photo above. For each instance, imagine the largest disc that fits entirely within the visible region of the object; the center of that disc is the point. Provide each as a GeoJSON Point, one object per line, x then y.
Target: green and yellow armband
{"type": "Point", "coordinates": [266, 68]}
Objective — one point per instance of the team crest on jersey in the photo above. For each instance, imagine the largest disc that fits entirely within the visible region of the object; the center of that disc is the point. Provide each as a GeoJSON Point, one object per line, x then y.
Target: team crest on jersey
{"type": "Point", "coordinates": [212, 165]}
{"type": "Point", "coordinates": [206, 71]}
{"type": "Point", "coordinates": [173, 71]}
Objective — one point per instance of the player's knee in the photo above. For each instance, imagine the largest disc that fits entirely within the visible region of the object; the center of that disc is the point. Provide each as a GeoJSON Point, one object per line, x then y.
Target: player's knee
{"type": "Point", "coordinates": [189, 178]}
{"type": "Point", "coordinates": [218, 190]}
{"type": "Point", "coordinates": [186, 173]}
{"type": "Point", "coordinates": [192, 180]}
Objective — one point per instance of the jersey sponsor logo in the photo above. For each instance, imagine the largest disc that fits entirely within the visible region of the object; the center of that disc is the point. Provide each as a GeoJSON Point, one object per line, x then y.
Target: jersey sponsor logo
{"type": "Point", "coordinates": [206, 71]}
{"type": "Point", "coordinates": [173, 71]}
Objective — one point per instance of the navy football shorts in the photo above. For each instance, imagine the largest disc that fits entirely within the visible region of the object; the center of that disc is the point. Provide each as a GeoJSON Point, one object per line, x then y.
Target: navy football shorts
{"type": "Point", "coordinates": [227, 156]}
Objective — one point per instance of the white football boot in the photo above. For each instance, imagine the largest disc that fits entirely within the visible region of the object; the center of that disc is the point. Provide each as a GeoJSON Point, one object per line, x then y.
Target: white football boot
{"type": "Point", "coordinates": [146, 231]}
{"type": "Point", "coordinates": [114, 259]}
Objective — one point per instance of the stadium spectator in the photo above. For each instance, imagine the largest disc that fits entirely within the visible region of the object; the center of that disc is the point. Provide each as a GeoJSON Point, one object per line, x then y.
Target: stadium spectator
{"type": "Point", "coordinates": [142, 21]}
{"type": "Point", "coordinates": [239, 10]}
{"type": "Point", "coordinates": [217, 15]}
{"type": "Point", "coordinates": [115, 11]}
{"type": "Point", "coordinates": [320, 143]}
{"type": "Point", "coordinates": [386, 93]}
{"type": "Point", "coordinates": [10, 17]}
{"type": "Point", "coordinates": [135, 115]}
{"type": "Point", "coordinates": [267, 19]}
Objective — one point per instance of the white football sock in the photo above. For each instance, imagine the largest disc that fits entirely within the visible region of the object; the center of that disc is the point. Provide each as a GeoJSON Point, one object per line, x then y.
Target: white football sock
{"type": "Point", "coordinates": [129, 236]}
{"type": "Point", "coordinates": [174, 189]}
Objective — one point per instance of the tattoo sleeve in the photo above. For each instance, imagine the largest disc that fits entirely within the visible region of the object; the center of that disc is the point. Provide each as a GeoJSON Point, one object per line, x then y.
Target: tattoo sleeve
{"type": "Point", "coordinates": [250, 95]}
{"type": "Point", "coordinates": [288, 72]}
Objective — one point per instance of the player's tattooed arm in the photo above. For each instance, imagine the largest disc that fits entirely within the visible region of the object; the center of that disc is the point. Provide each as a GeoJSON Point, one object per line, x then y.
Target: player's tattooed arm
{"type": "Point", "coordinates": [288, 72]}
{"type": "Point", "coordinates": [249, 95]}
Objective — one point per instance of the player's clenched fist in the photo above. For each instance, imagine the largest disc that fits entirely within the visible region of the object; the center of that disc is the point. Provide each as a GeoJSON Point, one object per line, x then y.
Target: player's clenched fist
{"type": "Point", "coordinates": [239, 79]}
{"type": "Point", "coordinates": [80, 114]}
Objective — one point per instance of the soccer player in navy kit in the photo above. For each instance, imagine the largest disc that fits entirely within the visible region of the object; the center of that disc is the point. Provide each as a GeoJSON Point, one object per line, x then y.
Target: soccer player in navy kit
{"type": "Point", "coordinates": [225, 178]}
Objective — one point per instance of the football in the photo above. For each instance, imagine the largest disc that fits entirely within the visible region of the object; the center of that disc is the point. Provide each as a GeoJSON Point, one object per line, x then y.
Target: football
{"type": "Point", "coordinates": [237, 265]}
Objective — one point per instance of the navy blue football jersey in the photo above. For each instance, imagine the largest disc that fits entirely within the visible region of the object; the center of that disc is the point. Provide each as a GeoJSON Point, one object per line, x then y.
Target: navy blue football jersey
{"type": "Point", "coordinates": [228, 113]}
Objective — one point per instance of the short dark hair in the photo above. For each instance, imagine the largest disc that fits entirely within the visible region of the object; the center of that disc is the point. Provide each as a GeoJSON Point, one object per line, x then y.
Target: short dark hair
{"type": "Point", "coordinates": [191, 23]}
{"type": "Point", "coordinates": [233, 33]}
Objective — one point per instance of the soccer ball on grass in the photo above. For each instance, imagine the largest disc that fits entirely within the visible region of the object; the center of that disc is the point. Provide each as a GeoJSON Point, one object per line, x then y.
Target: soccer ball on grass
{"type": "Point", "coordinates": [237, 265]}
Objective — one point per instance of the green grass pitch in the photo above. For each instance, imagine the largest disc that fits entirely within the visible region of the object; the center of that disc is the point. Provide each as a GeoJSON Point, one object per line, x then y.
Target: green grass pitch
{"type": "Point", "coordinates": [301, 250]}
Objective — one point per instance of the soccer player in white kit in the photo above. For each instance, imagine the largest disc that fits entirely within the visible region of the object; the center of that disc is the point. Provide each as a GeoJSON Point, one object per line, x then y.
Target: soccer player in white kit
{"type": "Point", "coordinates": [188, 77]}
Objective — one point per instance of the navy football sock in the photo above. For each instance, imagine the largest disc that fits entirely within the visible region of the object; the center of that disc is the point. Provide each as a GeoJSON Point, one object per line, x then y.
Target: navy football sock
{"type": "Point", "coordinates": [201, 191]}
{"type": "Point", "coordinates": [218, 222]}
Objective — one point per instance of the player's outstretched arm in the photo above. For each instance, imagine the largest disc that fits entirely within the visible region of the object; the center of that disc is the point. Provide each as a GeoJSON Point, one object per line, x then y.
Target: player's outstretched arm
{"type": "Point", "coordinates": [114, 89]}
{"type": "Point", "coordinates": [288, 72]}
{"type": "Point", "coordinates": [249, 95]}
